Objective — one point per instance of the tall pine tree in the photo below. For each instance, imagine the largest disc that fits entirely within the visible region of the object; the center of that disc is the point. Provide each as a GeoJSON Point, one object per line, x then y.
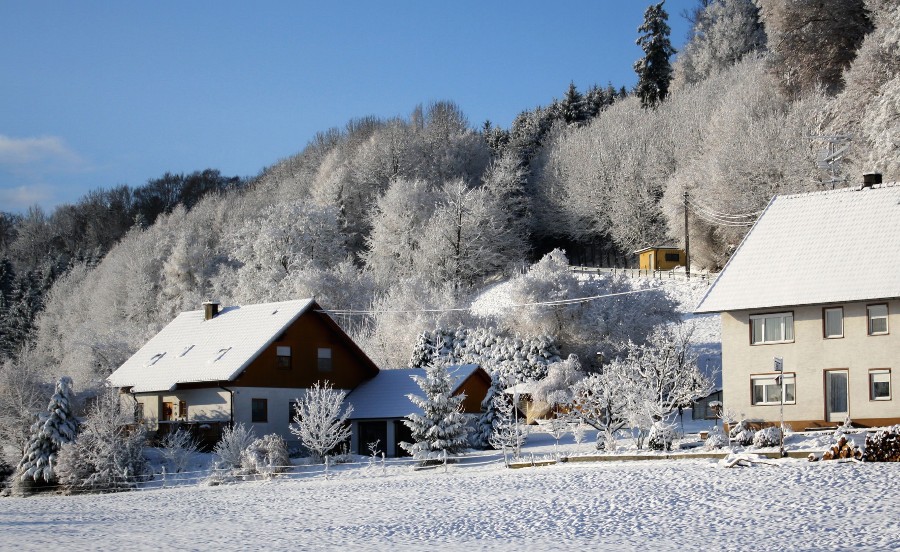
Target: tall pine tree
{"type": "Point", "coordinates": [441, 426]}
{"type": "Point", "coordinates": [53, 429]}
{"type": "Point", "coordinates": [654, 70]}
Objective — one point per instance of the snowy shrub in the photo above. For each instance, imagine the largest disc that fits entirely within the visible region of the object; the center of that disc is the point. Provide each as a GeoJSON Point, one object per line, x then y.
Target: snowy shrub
{"type": "Point", "coordinates": [767, 437]}
{"type": "Point", "coordinates": [108, 455]}
{"type": "Point", "coordinates": [320, 419]}
{"type": "Point", "coordinates": [844, 428]}
{"type": "Point", "coordinates": [52, 429]}
{"type": "Point", "coordinates": [661, 436]}
{"type": "Point", "coordinates": [507, 432]}
{"type": "Point", "coordinates": [177, 448]}
{"type": "Point", "coordinates": [232, 444]}
{"type": "Point", "coordinates": [267, 456]}
{"type": "Point", "coordinates": [716, 439]}
{"type": "Point", "coordinates": [742, 433]}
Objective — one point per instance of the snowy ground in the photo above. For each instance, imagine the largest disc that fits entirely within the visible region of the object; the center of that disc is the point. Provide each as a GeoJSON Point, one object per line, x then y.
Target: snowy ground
{"type": "Point", "coordinates": [653, 505]}
{"type": "Point", "coordinates": [479, 504]}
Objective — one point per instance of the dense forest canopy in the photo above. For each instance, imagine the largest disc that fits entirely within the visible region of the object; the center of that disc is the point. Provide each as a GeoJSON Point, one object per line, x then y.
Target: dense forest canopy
{"type": "Point", "coordinates": [383, 219]}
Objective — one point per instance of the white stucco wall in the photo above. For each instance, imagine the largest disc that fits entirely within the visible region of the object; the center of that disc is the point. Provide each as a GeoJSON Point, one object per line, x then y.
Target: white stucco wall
{"type": "Point", "coordinates": [809, 356]}
{"type": "Point", "coordinates": [278, 409]}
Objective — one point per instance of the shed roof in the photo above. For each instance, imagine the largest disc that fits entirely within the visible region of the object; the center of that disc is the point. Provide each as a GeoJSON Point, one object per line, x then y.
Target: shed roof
{"type": "Point", "coordinates": [191, 349]}
{"type": "Point", "coordinates": [385, 395]}
{"type": "Point", "coordinates": [817, 248]}
{"type": "Point", "coordinates": [657, 247]}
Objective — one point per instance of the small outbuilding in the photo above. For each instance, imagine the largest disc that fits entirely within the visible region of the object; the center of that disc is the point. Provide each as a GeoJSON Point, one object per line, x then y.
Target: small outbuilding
{"type": "Point", "coordinates": [660, 258]}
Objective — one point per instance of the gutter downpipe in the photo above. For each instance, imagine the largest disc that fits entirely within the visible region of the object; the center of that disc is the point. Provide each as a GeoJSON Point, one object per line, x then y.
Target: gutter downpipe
{"type": "Point", "coordinates": [230, 403]}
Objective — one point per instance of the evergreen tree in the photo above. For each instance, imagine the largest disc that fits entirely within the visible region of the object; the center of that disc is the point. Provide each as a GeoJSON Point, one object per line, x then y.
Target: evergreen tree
{"type": "Point", "coordinates": [53, 429]}
{"type": "Point", "coordinates": [441, 426]}
{"type": "Point", "coordinates": [573, 107]}
{"type": "Point", "coordinates": [654, 70]}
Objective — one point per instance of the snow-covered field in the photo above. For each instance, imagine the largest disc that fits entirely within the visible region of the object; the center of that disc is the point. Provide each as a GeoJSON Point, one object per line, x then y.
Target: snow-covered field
{"type": "Point", "coordinates": [650, 505]}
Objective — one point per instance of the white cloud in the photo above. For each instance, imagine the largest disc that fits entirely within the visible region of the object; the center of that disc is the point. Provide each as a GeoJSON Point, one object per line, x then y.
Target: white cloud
{"type": "Point", "coordinates": [25, 151]}
{"type": "Point", "coordinates": [21, 197]}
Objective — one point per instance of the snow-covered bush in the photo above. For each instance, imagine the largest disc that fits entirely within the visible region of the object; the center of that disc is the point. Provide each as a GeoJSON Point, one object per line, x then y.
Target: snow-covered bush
{"type": "Point", "coordinates": [319, 420]}
{"type": "Point", "coordinates": [742, 433]}
{"type": "Point", "coordinates": [267, 456]}
{"type": "Point", "coordinates": [519, 358]}
{"type": "Point", "coordinates": [661, 436]}
{"type": "Point", "coordinates": [177, 448]}
{"type": "Point", "coordinates": [232, 444]}
{"type": "Point", "coordinates": [108, 454]}
{"type": "Point", "coordinates": [767, 437]}
{"type": "Point", "coordinates": [716, 439]}
{"type": "Point", "coordinates": [441, 427]}
{"type": "Point", "coordinates": [52, 429]}
{"type": "Point", "coordinates": [844, 428]}
{"type": "Point", "coordinates": [507, 432]}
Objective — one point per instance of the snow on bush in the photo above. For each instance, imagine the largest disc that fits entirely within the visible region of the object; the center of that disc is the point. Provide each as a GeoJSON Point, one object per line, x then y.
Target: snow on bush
{"type": "Point", "coordinates": [767, 437]}
{"type": "Point", "coordinates": [661, 436]}
{"type": "Point", "coordinates": [52, 429]}
{"type": "Point", "coordinates": [507, 431]}
{"type": "Point", "coordinates": [843, 429]}
{"type": "Point", "coordinates": [267, 456]}
{"type": "Point", "coordinates": [232, 444]}
{"type": "Point", "coordinates": [716, 439]}
{"type": "Point", "coordinates": [177, 448]}
{"type": "Point", "coordinates": [521, 358]}
{"type": "Point", "coordinates": [441, 427]}
{"type": "Point", "coordinates": [319, 421]}
{"type": "Point", "coordinates": [108, 455]}
{"type": "Point", "coordinates": [742, 433]}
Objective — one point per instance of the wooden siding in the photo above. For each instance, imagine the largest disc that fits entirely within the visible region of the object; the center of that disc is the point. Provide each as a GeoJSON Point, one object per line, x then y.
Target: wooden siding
{"type": "Point", "coordinates": [313, 330]}
{"type": "Point", "coordinates": [475, 387]}
{"type": "Point", "coordinates": [655, 259]}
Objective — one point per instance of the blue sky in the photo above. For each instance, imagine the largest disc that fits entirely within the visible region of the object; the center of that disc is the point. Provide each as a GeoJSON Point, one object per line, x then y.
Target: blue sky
{"type": "Point", "coordinates": [96, 94]}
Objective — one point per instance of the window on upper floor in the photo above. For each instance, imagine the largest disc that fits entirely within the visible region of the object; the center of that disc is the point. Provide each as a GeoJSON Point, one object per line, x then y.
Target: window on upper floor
{"type": "Point", "coordinates": [765, 389]}
{"type": "Point", "coordinates": [833, 322]}
{"type": "Point", "coordinates": [324, 360]}
{"type": "Point", "coordinates": [878, 319]}
{"type": "Point", "coordinates": [771, 328]}
{"type": "Point", "coordinates": [283, 357]}
{"type": "Point", "coordinates": [880, 384]}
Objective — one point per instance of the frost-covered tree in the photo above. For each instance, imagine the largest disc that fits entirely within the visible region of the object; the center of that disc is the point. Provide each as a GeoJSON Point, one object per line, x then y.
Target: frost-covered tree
{"type": "Point", "coordinates": [507, 431]}
{"type": "Point", "coordinates": [267, 456]}
{"type": "Point", "coordinates": [556, 388]}
{"type": "Point", "coordinates": [573, 107]}
{"type": "Point", "coordinates": [178, 447]}
{"type": "Point", "coordinates": [108, 454]}
{"type": "Point", "coordinates": [813, 41]}
{"type": "Point", "coordinates": [441, 427]}
{"type": "Point", "coordinates": [53, 428]}
{"type": "Point", "coordinates": [232, 443]}
{"type": "Point", "coordinates": [602, 399]}
{"type": "Point", "coordinates": [722, 34]}
{"type": "Point", "coordinates": [654, 70]}
{"type": "Point", "coordinates": [319, 420]}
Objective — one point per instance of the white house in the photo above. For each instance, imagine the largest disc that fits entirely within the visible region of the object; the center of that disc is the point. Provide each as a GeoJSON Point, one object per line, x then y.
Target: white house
{"type": "Point", "coordinates": [816, 283]}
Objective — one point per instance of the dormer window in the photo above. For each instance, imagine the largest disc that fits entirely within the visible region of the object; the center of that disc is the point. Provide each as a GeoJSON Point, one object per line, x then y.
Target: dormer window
{"type": "Point", "coordinates": [220, 354]}
{"type": "Point", "coordinates": [155, 358]}
{"type": "Point", "coordinates": [186, 350]}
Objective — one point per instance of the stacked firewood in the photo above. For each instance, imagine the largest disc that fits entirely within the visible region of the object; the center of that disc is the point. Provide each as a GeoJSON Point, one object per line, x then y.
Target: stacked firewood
{"type": "Point", "coordinates": [843, 449]}
{"type": "Point", "coordinates": [884, 445]}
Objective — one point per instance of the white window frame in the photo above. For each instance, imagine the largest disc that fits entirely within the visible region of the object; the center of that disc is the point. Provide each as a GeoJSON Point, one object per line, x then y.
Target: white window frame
{"type": "Point", "coordinates": [774, 315]}
{"type": "Point", "coordinates": [768, 380]}
{"type": "Point", "coordinates": [825, 322]}
{"type": "Point", "coordinates": [879, 373]}
{"type": "Point", "coordinates": [870, 319]}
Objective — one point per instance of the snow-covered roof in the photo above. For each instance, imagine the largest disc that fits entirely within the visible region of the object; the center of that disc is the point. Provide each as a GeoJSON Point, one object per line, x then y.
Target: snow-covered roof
{"type": "Point", "coordinates": [385, 395]}
{"type": "Point", "coordinates": [654, 247]}
{"type": "Point", "coordinates": [192, 349]}
{"type": "Point", "coordinates": [823, 247]}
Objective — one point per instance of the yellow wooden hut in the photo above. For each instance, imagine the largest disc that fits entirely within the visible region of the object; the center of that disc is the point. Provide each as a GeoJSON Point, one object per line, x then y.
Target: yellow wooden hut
{"type": "Point", "coordinates": [660, 258]}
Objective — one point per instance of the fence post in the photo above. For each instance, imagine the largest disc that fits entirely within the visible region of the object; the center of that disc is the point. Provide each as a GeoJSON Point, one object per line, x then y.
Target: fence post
{"type": "Point", "coordinates": [164, 477]}
{"type": "Point", "coordinates": [445, 460]}
{"type": "Point", "coordinates": [383, 466]}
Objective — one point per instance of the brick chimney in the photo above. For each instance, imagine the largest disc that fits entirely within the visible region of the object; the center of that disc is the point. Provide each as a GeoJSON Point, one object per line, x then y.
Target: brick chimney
{"type": "Point", "coordinates": [210, 309]}
{"type": "Point", "coordinates": [871, 179]}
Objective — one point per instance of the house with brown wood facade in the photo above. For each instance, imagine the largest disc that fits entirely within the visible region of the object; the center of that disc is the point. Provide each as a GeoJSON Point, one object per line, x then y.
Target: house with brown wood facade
{"type": "Point", "coordinates": [215, 367]}
{"type": "Point", "coordinates": [816, 285]}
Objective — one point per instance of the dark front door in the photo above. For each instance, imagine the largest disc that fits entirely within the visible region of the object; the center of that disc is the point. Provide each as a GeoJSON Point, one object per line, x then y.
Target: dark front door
{"type": "Point", "coordinates": [401, 434]}
{"type": "Point", "coordinates": [369, 434]}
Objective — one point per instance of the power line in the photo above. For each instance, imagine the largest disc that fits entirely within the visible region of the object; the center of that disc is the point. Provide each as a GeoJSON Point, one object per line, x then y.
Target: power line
{"type": "Point", "coordinates": [559, 302]}
{"type": "Point", "coordinates": [715, 213]}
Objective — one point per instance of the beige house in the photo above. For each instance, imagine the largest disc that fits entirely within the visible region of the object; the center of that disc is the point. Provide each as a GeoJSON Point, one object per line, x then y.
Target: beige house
{"type": "Point", "coordinates": [815, 283]}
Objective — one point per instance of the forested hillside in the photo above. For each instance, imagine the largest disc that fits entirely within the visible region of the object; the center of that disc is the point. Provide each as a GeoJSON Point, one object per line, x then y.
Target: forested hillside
{"type": "Point", "coordinates": [409, 217]}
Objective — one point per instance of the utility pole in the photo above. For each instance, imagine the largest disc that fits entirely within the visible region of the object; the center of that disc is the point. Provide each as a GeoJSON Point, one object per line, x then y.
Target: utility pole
{"type": "Point", "coordinates": [687, 239]}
